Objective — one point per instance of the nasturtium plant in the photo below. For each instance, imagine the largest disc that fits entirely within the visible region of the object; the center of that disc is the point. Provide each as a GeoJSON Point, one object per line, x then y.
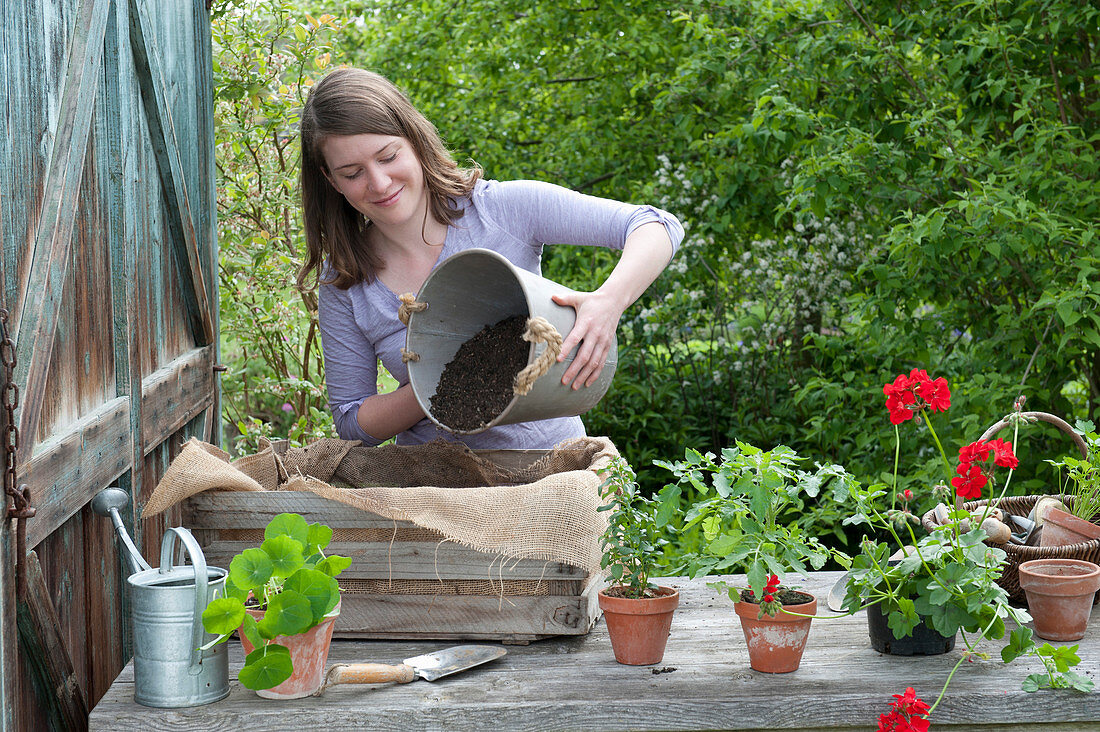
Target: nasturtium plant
{"type": "Point", "coordinates": [291, 579]}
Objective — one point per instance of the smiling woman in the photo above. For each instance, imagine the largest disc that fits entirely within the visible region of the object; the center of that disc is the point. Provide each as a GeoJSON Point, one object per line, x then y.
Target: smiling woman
{"type": "Point", "coordinates": [384, 204]}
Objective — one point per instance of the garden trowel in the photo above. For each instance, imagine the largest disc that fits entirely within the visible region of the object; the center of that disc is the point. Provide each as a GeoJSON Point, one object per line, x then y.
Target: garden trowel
{"type": "Point", "coordinates": [430, 666]}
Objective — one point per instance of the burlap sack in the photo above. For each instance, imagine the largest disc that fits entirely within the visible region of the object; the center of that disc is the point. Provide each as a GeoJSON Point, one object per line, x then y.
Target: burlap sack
{"type": "Point", "coordinates": [546, 511]}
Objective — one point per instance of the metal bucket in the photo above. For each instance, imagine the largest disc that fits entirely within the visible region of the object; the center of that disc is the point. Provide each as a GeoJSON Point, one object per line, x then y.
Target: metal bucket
{"type": "Point", "coordinates": [479, 287]}
{"type": "Point", "coordinates": [170, 670]}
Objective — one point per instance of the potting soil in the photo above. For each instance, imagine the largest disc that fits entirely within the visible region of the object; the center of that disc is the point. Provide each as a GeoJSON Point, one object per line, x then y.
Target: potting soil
{"type": "Point", "coordinates": [477, 385]}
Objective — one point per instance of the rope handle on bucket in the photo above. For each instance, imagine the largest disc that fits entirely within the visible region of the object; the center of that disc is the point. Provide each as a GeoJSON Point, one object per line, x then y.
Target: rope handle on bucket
{"type": "Point", "coordinates": [539, 330]}
{"type": "Point", "coordinates": [409, 305]}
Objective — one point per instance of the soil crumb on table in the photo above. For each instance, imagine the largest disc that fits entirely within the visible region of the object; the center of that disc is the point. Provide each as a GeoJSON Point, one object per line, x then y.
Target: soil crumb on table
{"type": "Point", "coordinates": [477, 385]}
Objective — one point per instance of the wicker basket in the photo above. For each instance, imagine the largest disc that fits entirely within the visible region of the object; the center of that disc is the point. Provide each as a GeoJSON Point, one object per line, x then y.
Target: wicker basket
{"type": "Point", "coordinates": [1021, 506]}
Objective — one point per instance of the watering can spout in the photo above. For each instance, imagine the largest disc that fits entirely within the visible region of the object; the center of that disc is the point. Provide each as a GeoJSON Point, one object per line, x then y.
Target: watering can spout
{"type": "Point", "coordinates": [106, 503]}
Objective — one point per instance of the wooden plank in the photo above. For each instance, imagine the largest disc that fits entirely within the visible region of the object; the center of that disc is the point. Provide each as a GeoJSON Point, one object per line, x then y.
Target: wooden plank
{"type": "Point", "coordinates": [705, 683]}
{"type": "Point", "coordinates": [50, 259]}
{"type": "Point", "coordinates": [173, 395]}
{"type": "Point", "coordinates": [104, 589]}
{"type": "Point", "coordinates": [125, 333]}
{"type": "Point", "coordinates": [173, 181]}
{"type": "Point", "coordinates": [68, 469]}
{"type": "Point", "coordinates": [45, 648]}
{"type": "Point", "coordinates": [419, 560]}
{"type": "Point", "coordinates": [9, 651]}
{"type": "Point", "coordinates": [467, 616]}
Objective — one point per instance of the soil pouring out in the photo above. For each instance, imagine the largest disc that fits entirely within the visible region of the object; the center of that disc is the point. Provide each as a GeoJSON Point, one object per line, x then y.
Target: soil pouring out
{"type": "Point", "coordinates": [477, 385]}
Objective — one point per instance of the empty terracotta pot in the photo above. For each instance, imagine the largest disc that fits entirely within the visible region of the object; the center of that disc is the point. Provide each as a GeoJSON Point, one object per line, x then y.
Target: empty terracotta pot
{"type": "Point", "coordinates": [1062, 528]}
{"type": "Point", "coordinates": [1059, 596]}
{"type": "Point", "coordinates": [639, 627]}
{"type": "Point", "coordinates": [775, 644]}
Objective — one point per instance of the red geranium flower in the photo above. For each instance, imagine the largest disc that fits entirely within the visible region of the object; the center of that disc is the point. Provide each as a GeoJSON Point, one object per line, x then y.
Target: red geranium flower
{"type": "Point", "coordinates": [902, 395]}
{"type": "Point", "coordinates": [975, 452]}
{"type": "Point", "coordinates": [969, 482]}
{"type": "Point", "coordinates": [1003, 455]}
{"type": "Point", "coordinates": [906, 714]}
{"type": "Point", "coordinates": [936, 394]}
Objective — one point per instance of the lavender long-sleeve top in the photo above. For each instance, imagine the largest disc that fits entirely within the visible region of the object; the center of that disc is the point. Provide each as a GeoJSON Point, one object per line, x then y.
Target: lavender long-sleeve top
{"type": "Point", "coordinates": [359, 325]}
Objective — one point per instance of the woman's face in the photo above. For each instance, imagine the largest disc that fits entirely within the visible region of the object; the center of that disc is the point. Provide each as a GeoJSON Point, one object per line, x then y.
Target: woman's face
{"type": "Point", "coordinates": [379, 175]}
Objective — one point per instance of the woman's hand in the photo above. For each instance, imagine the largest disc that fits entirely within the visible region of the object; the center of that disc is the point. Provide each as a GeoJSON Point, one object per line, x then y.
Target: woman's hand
{"type": "Point", "coordinates": [598, 316]}
{"type": "Point", "coordinates": [646, 252]}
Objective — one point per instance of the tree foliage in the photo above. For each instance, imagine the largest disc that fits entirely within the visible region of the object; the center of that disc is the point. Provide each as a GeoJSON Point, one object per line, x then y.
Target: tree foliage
{"type": "Point", "coordinates": [867, 188]}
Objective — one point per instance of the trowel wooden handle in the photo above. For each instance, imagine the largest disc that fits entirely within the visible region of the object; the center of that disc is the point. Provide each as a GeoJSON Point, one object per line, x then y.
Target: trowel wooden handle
{"type": "Point", "coordinates": [369, 673]}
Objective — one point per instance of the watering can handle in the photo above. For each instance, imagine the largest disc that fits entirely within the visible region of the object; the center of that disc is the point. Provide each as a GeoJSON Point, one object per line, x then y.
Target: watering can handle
{"type": "Point", "coordinates": [202, 584]}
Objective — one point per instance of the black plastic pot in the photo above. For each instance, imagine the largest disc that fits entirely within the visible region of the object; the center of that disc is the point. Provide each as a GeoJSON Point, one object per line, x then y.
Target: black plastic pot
{"type": "Point", "coordinates": [925, 640]}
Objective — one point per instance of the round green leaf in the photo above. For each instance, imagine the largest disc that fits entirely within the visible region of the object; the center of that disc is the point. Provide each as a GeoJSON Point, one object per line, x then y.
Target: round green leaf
{"type": "Point", "coordinates": [266, 667]}
{"type": "Point", "coordinates": [318, 538]}
{"type": "Point", "coordinates": [285, 555]}
{"type": "Point", "coordinates": [250, 569]}
{"type": "Point", "coordinates": [288, 524]}
{"type": "Point", "coordinates": [321, 590]}
{"type": "Point", "coordinates": [288, 613]}
{"type": "Point", "coordinates": [223, 615]}
{"type": "Point", "coordinates": [334, 564]}
{"type": "Point", "coordinates": [251, 630]}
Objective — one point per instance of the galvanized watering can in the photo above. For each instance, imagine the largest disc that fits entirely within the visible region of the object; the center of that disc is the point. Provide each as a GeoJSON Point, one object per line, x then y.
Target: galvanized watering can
{"type": "Point", "coordinates": [170, 668]}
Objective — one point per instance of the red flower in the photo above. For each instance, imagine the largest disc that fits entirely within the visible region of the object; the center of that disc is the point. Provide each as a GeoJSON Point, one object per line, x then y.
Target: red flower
{"type": "Point", "coordinates": [975, 452]}
{"type": "Point", "coordinates": [906, 714]}
{"type": "Point", "coordinates": [1003, 455]}
{"type": "Point", "coordinates": [969, 482]}
{"type": "Point", "coordinates": [936, 394]}
{"type": "Point", "coordinates": [907, 495]}
{"type": "Point", "coordinates": [769, 598]}
{"type": "Point", "coordinates": [901, 395]}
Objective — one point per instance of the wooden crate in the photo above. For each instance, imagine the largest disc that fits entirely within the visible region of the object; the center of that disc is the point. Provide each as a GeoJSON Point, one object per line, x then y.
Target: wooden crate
{"type": "Point", "coordinates": [407, 582]}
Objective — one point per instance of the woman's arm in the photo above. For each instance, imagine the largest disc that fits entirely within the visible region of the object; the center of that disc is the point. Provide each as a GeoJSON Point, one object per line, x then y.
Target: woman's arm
{"type": "Point", "coordinates": [648, 250]}
{"type": "Point", "coordinates": [384, 415]}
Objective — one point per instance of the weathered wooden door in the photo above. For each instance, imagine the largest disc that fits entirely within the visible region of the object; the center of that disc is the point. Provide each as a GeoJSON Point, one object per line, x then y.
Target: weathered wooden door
{"type": "Point", "coordinates": [108, 272]}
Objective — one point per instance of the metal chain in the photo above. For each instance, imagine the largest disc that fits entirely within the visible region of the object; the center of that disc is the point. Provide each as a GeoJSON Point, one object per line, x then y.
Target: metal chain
{"type": "Point", "coordinates": [20, 508]}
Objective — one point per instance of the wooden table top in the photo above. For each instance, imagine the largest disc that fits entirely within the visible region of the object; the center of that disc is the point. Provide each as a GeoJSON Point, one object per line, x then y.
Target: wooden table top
{"type": "Point", "coordinates": [704, 682]}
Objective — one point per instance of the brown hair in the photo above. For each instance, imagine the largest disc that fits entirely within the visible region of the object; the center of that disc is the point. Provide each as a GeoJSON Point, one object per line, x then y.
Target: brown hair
{"type": "Point", "coordinates": [354, 102]}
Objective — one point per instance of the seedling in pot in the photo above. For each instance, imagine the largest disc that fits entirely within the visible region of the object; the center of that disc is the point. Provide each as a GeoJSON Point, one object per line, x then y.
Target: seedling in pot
{"type": "Point", "coordinates": [292, 581]}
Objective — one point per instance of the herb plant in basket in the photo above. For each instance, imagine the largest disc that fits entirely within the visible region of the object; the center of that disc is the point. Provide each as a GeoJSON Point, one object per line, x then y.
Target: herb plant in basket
{"type": "Point", "coordinates": [283, 598]}
{"type": "Point", "coordinates": [637, 612]}
{"type": "Point", "coordinates": [746, 507]}
{"type": "Point", "coordinates": [1080, 494]}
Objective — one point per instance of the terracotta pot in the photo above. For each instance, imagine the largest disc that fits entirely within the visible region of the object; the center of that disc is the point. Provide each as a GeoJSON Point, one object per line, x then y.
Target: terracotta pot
{"type": "Point", "coordinates": [1059, 596]}
{"type": "Point", "coordinates": [639, 628]}
{"type": "Point", "coordinates": [775, 644]}
{"type": "Point", "coordinates": [1061, 528]}
{"type": "Point", "coordinates": [308, 653]}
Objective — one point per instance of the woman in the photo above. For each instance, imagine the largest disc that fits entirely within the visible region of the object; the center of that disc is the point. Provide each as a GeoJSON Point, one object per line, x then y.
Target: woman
{"type": "Point", "coordinates": [384, 204]}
